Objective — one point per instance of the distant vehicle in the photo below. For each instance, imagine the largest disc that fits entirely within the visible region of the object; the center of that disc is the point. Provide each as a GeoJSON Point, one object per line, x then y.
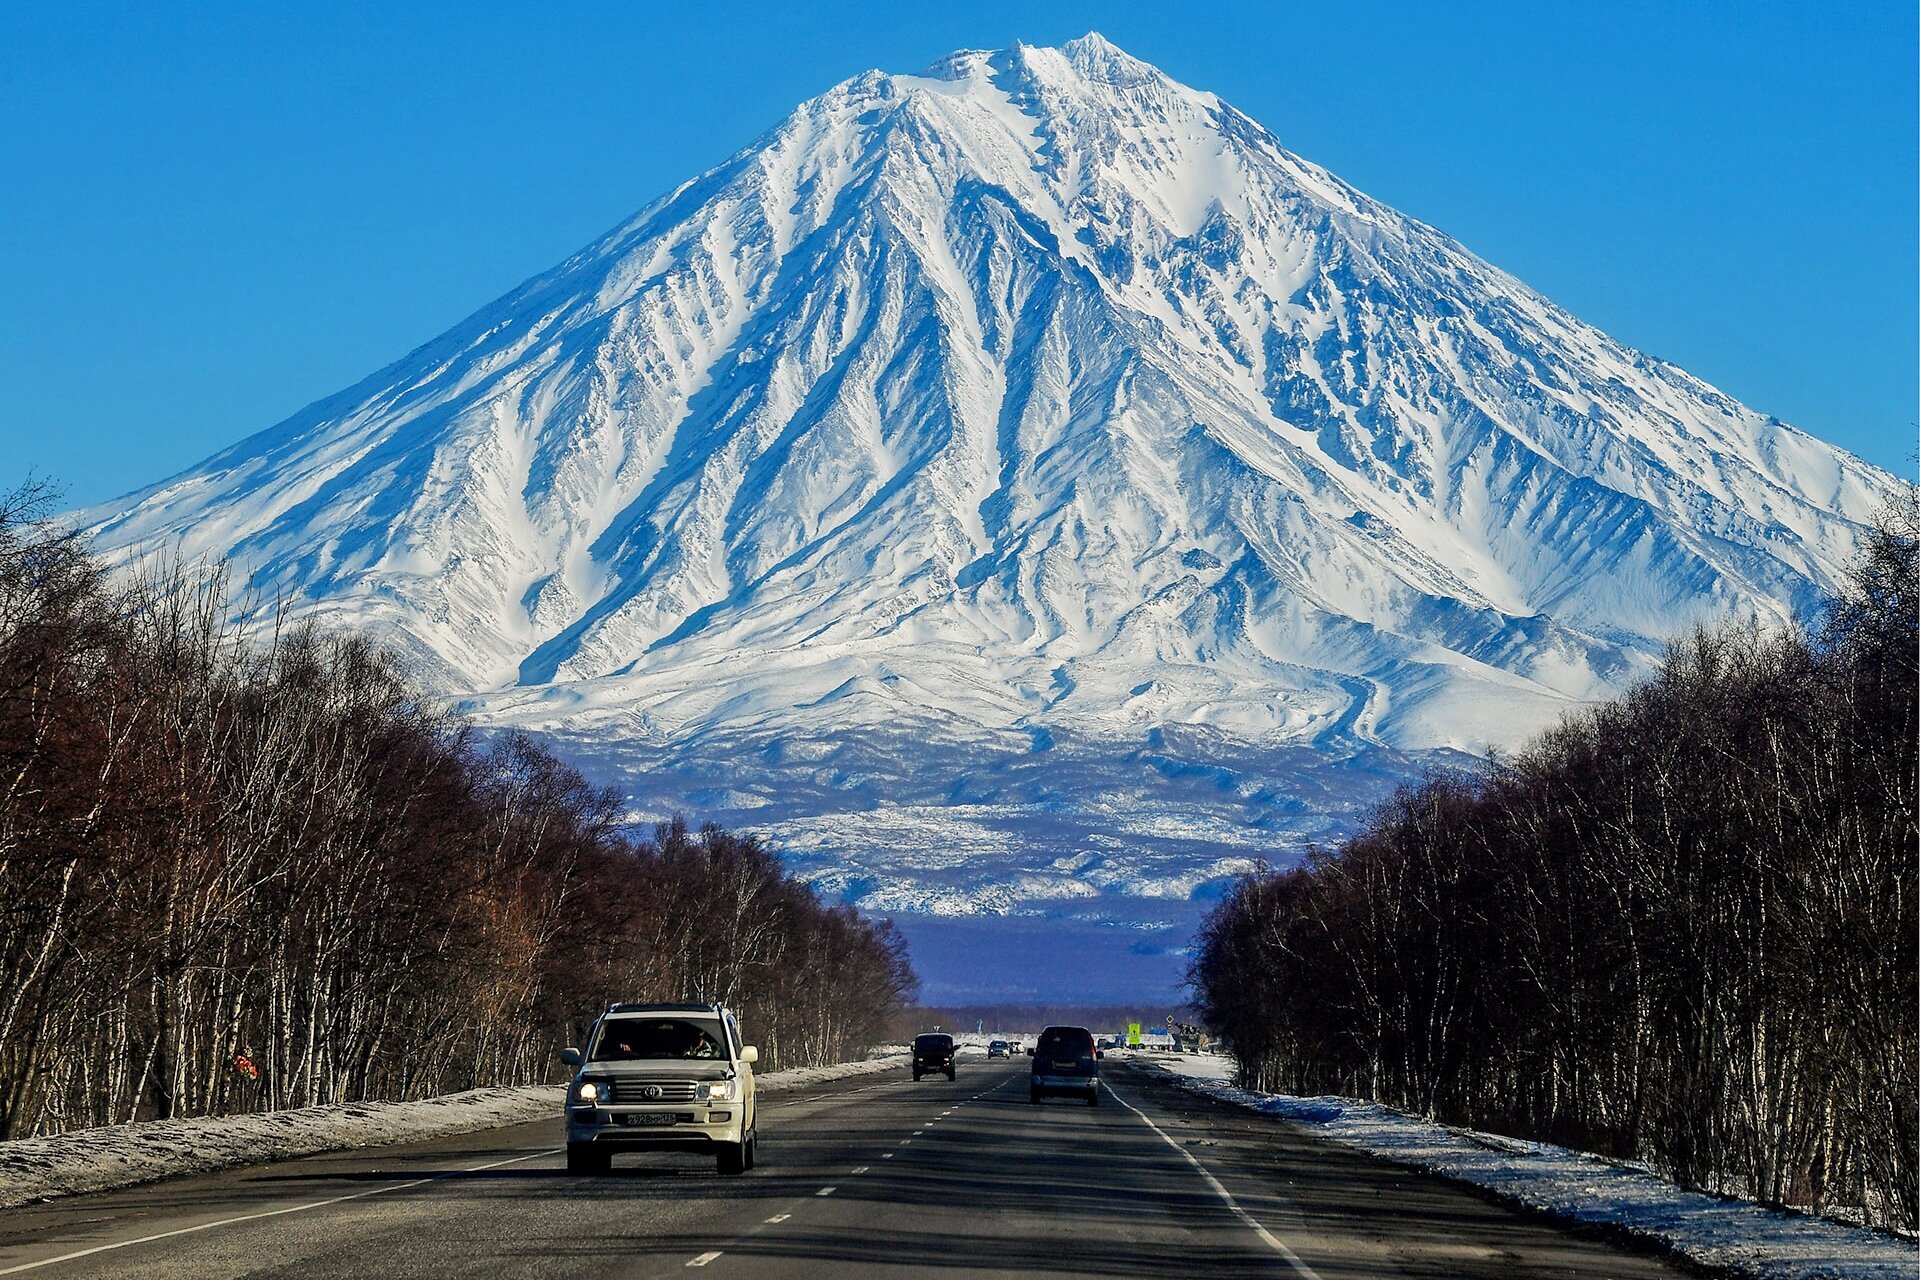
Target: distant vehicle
{"type": "Point", "coordinates": [932, 1054]}
{"type": "Point", "coordinates": [999, 1049]}
{"type": "Point", "coordinates": [662, 1077]}
{"type": "Point", "coordinates": [1065, 1061]}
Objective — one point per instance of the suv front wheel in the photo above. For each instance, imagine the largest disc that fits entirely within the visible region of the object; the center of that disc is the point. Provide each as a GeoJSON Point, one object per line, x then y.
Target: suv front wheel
{"type": "Point", "coordinates": [736, 1157]}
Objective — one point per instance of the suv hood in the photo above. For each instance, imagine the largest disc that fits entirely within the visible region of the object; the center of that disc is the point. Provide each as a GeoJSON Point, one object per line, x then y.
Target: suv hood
{"type": "Point", "coordinates": [659, 1070]}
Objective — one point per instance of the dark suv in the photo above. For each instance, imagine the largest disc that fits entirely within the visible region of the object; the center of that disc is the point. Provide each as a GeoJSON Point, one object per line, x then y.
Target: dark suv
{"type": "Point", "coordinates": [932, 1054]}
{"type": "Point", "coordinates": [1065, 1061]}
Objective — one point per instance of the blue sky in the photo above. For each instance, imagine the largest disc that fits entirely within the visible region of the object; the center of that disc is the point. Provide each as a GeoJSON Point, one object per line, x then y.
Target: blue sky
{"type": "Point", "coordinates": [214, 214]}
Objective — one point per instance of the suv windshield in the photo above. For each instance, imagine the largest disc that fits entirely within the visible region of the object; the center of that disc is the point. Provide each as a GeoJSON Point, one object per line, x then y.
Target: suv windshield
{"type": "Point", "coordinates": [932, 1044]}
{"type": "Point", "coordinates": [636, 1039]}
{"type": "Point", "coordinates": [1065, 1042]}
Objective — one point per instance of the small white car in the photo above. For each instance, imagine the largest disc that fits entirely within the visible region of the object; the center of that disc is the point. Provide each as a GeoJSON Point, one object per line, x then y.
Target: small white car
{"type": "Point", "coordinates": [662, 1077]}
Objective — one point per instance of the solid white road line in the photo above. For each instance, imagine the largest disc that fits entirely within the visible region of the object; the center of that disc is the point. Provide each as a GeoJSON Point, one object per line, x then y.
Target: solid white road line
{"type": "Point", "coordinates": [1291, 1258]}
{"type": "Point", "coordinates": [255, 1217]}
{"type": "Point", "coordinates": [703, 1259]}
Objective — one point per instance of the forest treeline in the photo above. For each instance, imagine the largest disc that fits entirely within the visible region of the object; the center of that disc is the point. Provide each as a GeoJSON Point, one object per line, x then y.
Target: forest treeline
{"type": "Point", "coordinates": [244, 871]}
{"type": "Point", "coordinates": [1680, 928]}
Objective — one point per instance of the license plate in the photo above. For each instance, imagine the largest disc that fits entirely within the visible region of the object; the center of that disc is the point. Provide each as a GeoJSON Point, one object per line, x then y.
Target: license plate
{"type": "Point", "coordinates": [1070, 1064]}
{"type": "Point", "coordinates": [646, 1118]}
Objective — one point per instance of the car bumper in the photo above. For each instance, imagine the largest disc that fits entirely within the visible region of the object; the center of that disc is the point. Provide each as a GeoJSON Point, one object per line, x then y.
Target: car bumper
{"type": "Point", "coordinates": [692, 1128]}
{"type": "Point", "coordinates": [1065, 1084]}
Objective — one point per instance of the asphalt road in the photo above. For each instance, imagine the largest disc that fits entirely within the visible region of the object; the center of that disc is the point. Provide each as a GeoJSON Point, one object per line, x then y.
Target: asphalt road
{"type": "Point", "coordinates": [862, 1178]}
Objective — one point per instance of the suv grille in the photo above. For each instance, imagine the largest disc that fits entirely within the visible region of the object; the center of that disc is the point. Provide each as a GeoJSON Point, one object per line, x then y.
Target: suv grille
{"type": "Point", "coordinates": [632, 1093]}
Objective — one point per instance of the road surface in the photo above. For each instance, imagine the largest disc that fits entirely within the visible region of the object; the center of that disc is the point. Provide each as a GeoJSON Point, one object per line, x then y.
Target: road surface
{"type": "Point", "coordinates": [864, 1177]}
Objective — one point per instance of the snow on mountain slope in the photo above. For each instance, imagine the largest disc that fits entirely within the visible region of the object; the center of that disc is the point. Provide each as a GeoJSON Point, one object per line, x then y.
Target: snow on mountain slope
{"type": "Point", "coordinates": [1033, 394]}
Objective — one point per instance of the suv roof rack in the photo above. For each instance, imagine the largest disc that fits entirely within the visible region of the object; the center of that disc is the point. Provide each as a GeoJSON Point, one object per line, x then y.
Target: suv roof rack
{"type": "Point", "coordinates": [669, 1007]}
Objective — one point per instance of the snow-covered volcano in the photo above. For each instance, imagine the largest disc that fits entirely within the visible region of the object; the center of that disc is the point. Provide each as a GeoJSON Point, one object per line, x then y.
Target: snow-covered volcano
{"type": "Point", "coordinates": [1034, 409]}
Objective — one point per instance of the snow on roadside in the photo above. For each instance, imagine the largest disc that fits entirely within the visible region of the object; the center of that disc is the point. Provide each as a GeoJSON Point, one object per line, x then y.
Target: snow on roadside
{"type": "Point", "coordinates": [892, 1059]}
{"type": "Point", "coordinates": [33, 1169]}
{"type": "Point", "coordinates": [124, 1154]}
{"type": "Point", "coordinates": [1735, 1235]}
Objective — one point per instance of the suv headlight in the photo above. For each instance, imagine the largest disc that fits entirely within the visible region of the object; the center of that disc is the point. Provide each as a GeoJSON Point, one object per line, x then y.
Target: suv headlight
{"type": "Point", "coordinates": [589, 1092]}
{"type": "Point", "coordinates": [722, 1090]}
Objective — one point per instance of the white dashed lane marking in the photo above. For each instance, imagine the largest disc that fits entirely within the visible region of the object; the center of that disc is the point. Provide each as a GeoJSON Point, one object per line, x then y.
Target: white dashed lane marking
{"type": "Point", "coordinates": [826, 1191]}
{"type": "Point", "coordinates": [779, 1217]}
{"type": "Point", "coordinates": [703, 1259]}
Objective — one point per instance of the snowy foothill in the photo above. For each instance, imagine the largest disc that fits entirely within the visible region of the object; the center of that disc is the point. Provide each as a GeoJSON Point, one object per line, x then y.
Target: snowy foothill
{"type": "Point", "coordinates": [1717, 1232]}
{"type": "Point", "coordinates": [34, 1169]}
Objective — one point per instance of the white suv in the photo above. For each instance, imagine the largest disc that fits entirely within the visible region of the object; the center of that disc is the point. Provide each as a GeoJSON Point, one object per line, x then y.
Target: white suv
{"type": "Point", "coordinates": [662, 1077]}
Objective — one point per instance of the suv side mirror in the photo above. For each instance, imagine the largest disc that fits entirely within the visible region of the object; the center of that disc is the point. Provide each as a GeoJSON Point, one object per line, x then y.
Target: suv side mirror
{"type": "Point", "coordinates": [749, 1054]}
{"type": "Point", "coordinates": [570, 1056]}
{"type": "Point", "coordinates": [1029, 1053]}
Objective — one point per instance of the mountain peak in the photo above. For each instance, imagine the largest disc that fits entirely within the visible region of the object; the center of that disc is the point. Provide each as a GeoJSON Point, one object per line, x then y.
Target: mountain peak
{"type": "Point", "coordinates": [1095, 54]}
{"type": "Point", "coordinates": [1090, 60]}
{"type": "Point", "coordinates": [1046, 403]}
